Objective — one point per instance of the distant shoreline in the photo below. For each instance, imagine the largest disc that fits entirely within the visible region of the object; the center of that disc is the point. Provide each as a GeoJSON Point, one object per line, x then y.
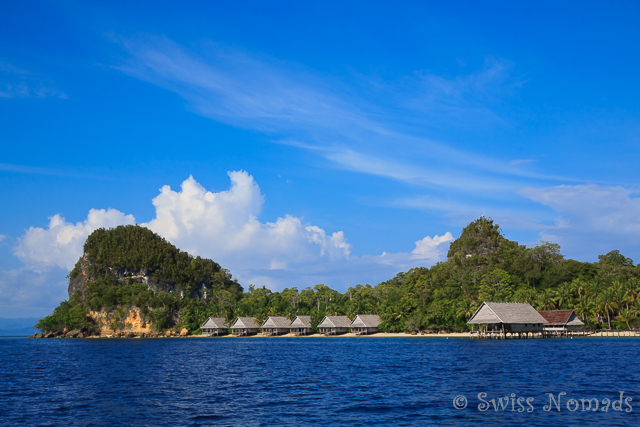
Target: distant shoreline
{"type": "Point", "coordinates": [624, 334]}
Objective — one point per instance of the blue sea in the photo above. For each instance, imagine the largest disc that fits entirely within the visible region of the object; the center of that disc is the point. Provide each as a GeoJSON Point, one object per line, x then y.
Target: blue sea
{"type": "Point", "coordinates": [316, 382]}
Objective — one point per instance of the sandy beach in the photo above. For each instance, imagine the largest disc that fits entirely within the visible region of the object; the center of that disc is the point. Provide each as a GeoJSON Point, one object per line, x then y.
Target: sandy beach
{"type": "Point", "coordinates": [350, 335]}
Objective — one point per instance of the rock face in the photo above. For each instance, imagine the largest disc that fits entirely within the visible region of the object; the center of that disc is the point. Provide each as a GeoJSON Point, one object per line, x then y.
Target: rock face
{"type": "Point", "coordinates": [184, 332]}
{"type": "Point", "coordinates": [77, 283]}
{"type": "Point", "coordinates": [133, 318]}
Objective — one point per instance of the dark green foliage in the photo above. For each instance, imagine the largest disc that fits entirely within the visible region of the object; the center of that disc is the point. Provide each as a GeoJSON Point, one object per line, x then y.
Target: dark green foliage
{"type": "Point", "coordinates": [615, 258]}
{"type": "Point", "coordinates": [482, 265]}
{"type": "Point", "coordinates": [131, 249]}
{"type": "Point", "coordinates": [480, 238]}
{"type": "Point", "coordinates": [69, 314]}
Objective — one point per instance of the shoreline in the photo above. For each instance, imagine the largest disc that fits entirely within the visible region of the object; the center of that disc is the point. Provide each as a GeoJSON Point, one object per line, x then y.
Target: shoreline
{"type": "Point", "coordinates": [447, 335]}
{"type": "Point", "coordinates": [376, 335]}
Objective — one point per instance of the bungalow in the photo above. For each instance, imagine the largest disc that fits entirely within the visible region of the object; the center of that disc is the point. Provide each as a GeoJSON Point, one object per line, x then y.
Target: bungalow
{"type": "Point", "coordinates": [275, 325]}
{"type": "Point", "coordinates": [561, 320]}
{"type": "Point", "coordinates": [245, 326]}
{"type": "Point", "coordinates": [334, 325]}
{"type": "Point", "coordinates": [301, 325]}
{"type": "Point", "coordinates": [215, 326]}
{"type": "Point", "coordinates": [365, 324]}
{"type": "Point", "coordinates": [512, 317]}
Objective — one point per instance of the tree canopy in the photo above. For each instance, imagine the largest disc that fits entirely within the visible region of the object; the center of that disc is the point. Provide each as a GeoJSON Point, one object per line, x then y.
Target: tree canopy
{"type": "Point", "coordinates": [482, 265]}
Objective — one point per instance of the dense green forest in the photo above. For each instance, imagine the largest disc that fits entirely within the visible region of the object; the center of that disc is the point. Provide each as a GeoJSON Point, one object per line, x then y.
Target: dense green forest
{"type": "Point", "coordinates": [482, 265]}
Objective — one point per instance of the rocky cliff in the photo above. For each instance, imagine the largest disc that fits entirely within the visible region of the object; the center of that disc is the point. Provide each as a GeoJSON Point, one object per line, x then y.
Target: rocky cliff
{"type": "Point", "coordinates": [130, 280]}
{"type": "Point", "coordinates": [135, 254]}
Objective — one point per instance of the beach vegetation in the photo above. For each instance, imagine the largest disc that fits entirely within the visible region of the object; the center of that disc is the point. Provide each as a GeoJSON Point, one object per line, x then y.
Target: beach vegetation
{"type": "Point", "coordinates": [131, 267]}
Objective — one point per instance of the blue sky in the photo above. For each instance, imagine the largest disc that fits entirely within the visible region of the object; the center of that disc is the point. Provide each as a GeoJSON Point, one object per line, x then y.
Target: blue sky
{"type": "Point", "coordinates": [299, 144]}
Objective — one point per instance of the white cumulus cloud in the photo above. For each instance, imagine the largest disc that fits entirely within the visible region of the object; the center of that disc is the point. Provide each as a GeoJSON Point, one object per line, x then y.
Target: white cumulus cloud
{"type": "Point", "coordinates": [61, 243]}
{"type": "Point", "coordinates": [428, 250]}
{"type": "Point", "coordinates": [224, 226]}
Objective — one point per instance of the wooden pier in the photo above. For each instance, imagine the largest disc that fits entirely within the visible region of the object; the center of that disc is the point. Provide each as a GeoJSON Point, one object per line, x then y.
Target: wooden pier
{"type": "Point", "coordinates": [555, 334]}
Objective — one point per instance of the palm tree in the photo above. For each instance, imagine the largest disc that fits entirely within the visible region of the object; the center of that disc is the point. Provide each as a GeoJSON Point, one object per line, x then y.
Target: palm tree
{"type": "Point", "coordinates": [544, 300]}
{"type": "Point", "coordinates": [578, 286]}
{"type": "Point", "coordinates": [620, 295]}
{"type": "Point", "coordinates": [465, 309]}
{"type": "Point", "coordinates": [563, 295]}
{"type": "Point", "coordinates": [627, 316]}
{"type": "Point", "coordinates": [593, 287]}
{"type": "Point", "coordinates": [584, 308]}
{"type": "Point", "coordinates": [608, 303]}
{"type": "Point", "coordinates": [631, 289]}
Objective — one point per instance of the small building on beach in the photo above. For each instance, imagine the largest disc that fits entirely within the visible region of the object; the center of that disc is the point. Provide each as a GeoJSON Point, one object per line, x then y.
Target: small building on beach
{"type": "Point", "coordinates": [508, 317]}
{"type": "Point", "coordinates": [301, 325]}
{"type": "Point", "coordinates": [275, 325]}
{"type": "Point", "coordinates": [215, 326]}
{"type": "Point", "coordinates": [245, 326]}
{"type": "Point", "coordinates": [365, 324]}
{"type": "Point", "coordinates": [334, 325]}
{"type": "Point", "coordinates": [561, 320]}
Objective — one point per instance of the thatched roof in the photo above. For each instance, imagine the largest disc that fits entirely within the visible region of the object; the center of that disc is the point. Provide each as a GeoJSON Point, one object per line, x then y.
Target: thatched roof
{"type": "Point", "coordinates": [276, 322]}
{"type": "Point", "coordinates": [215, 323]}
{"type": "Point", "coordinates": [561, 317]}
{"type": "Point", "coordinates": [506, 312]}
{"type": "Point", "coordinates": [335, 322]}
{"type": "Point", "coordinates": [366, 321]}
{"type": "Point", "coordinates": [301, 322]}
{"type": "Point", "coordinates": [245, 323]}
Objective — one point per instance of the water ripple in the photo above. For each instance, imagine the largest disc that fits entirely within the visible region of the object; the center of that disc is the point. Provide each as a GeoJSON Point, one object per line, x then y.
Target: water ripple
{"type": "Point", "coordinates": [355, 382]}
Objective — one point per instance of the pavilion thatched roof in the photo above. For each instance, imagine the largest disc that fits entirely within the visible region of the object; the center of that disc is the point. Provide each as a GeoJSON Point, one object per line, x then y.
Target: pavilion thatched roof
{"type": "Point", "coordinates": [506, 312]}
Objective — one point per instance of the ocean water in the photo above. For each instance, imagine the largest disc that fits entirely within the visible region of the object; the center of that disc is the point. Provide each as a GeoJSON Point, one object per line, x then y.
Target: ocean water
{"type": "Point", "coordinates": [316, 382]}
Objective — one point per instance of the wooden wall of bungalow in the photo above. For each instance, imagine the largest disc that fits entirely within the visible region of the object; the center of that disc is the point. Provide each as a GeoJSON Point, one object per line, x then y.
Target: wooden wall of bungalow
{"type": "Point", "coordinates": [245, 326]}
{"type": "Point", "coordinates": [334, 325]}
{"type": "Point", "coordinates": [365, 324]}
{"type": "Point", "coordinates": [275, 325]}
{"type": "Point", "coordinates": [301, 325]}
{"type": "Point", "coordinates": [561, 320]}
{"type": "Point", "coordinates": [513, 317]}
{"type": "Point", "coordinates": [215, 326]}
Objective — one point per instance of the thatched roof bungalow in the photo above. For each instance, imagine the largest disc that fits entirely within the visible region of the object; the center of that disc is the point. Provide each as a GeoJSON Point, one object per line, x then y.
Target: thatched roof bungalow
{"type": "Point", "coordinates": [364, 324]}
{"type": "Point", "coordinates": [245, 326]}
{"type": "Point", "coordinates": [215, 326]}
{"type": "Point", "coordinates": [334, 325]}
{"type": "Point", "coordinates": [508, 317]}
{"type": "Point", "coordinates": [275, 325]}
{"type": "Point", "coordinates": [561, 320]}
{"type": "Point", "coordinates": [301, 325]}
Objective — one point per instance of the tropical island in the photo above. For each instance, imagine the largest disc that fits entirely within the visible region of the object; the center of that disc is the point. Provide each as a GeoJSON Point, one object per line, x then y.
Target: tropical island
{"type": "Point", "coordinates": [131, 281]}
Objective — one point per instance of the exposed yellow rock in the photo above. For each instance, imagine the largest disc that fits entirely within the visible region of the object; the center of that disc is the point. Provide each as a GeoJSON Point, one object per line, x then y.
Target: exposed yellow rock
{"type": "Point", "coordinates": [138, 326]}
{"type": "Point", "coordinates": [184, 332]}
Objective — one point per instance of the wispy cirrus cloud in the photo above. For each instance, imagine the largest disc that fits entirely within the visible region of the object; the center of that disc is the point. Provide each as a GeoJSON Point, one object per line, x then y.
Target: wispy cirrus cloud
{"type": "Point", "coordinates": [16, 82]}
{"type": "Point", "coordinates": [40, 170]}
{"type": "Point", "coordinates": [590, 219]}
{"type": "Point", "coordinates": [379, 131]}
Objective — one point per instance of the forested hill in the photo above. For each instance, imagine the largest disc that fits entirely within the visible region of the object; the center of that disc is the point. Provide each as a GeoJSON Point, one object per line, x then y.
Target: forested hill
{"type": "Point", "coordinates": [136, 253]}
{"type": "Point", "coordinates": [130, 267]}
